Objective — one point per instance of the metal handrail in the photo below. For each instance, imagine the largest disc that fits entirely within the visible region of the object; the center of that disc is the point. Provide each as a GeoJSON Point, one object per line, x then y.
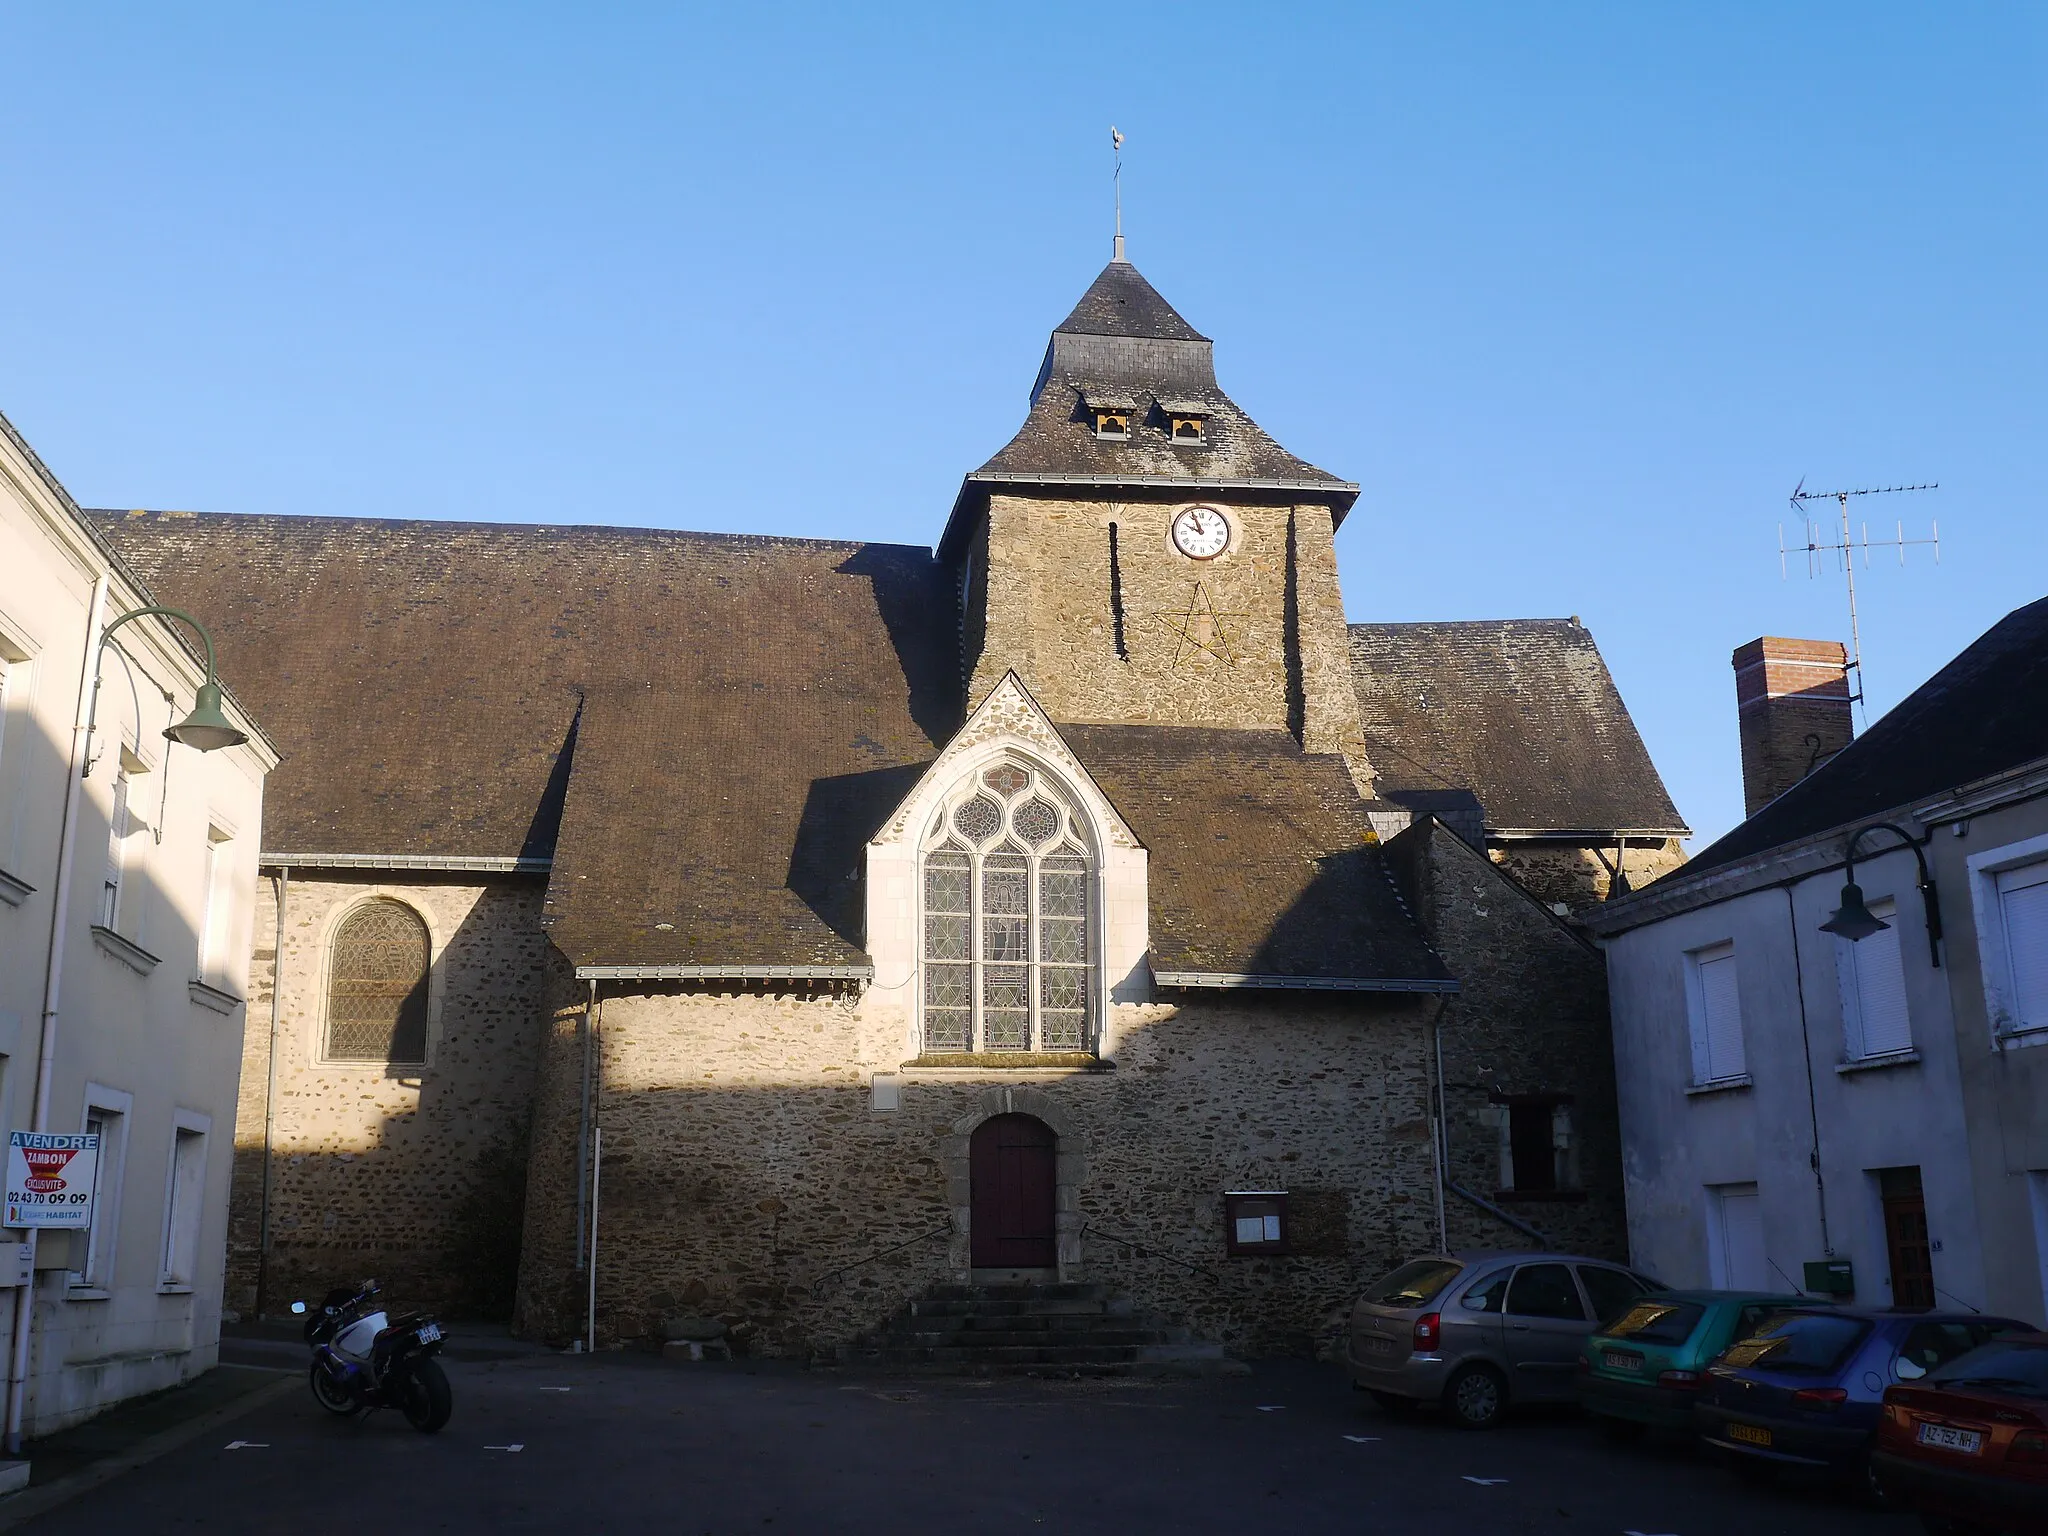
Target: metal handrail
{"type": "Point", "coordinates": [1150, 1253]}
{"type": "Point", "coordinates": [818, 1285]}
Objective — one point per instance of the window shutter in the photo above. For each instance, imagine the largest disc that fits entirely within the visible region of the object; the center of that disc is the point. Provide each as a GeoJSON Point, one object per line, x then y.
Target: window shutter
{"type": "Point", "coordinates": [2023, 902]}
{"type": "Point", "coordinates": [1721, 1016]}
{"type": "Point", "coordinates": [1881, 989]}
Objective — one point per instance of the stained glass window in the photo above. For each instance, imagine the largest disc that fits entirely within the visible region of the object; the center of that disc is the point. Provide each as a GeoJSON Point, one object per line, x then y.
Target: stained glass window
{"type": "Point", "coordinates": [1006, 921]}
{"type": "Point", "coordinates": [377, 986]}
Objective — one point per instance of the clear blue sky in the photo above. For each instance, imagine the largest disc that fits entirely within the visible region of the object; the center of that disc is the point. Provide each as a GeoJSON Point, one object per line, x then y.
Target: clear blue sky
{"type": "Point", "coordinates": [1577, 293]}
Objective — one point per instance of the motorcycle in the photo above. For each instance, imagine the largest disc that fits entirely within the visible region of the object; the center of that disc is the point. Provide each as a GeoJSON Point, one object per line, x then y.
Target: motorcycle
{"type": "Point", "coordinates": [363, 1358]}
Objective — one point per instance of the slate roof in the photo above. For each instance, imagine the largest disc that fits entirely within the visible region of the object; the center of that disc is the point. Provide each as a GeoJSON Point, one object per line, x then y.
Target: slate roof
{"type": "Point", "coordinates": [1259, 862]}
{"type": "Point", "coordinates": [1121, 303]}
{"type": "Point", "coordinates": [1520, 712]}
{"type": "Point", "coordinates": [743, 702]}
{"type": "Point", "coordinates": [1983, 714]}
{"type": "Point", "coordinates": [1124, 341]}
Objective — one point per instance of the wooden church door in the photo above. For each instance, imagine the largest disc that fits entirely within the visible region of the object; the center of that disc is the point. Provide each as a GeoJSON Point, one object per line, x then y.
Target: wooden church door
{"type": "Point", "coordinates": [1010, 1177]}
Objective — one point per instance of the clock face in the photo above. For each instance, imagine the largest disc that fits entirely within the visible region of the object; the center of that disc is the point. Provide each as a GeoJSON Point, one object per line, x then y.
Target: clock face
{"type": "Point", "coordinates": [1200, 533]}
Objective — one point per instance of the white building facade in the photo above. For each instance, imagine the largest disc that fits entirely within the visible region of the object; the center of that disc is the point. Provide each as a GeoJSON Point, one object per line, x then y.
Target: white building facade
{"type": "Point", "coordinates": [1869, 1119]}
{"type": "Point", "coordinates": [128, 867]}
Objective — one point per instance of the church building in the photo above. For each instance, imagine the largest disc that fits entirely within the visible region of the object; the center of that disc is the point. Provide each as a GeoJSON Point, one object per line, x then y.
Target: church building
{"type": "Point", "coordinates": [1078, 900]}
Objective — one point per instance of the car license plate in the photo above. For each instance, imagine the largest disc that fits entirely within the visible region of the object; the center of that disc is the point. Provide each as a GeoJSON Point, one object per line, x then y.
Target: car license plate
{"type": "Point", "coordinates": [1617, 1362]}
{"type": "Point", "coordinates": [431, 1334]}
{"type": "Point", "coordinates": [1749, 1434]}
{"type": "Point", "coordinates": [1376, 1345]}
{"type": "Point", "coordinates": [1968, 1441]}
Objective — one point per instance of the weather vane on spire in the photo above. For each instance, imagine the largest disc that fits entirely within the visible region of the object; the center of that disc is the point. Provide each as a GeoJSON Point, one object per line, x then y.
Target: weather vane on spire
{"type": "Point", "coordinates": [1116, 145]}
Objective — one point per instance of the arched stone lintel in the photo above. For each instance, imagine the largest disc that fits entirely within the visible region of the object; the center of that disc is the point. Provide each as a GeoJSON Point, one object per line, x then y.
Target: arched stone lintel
{"type": "Point", "coordinates": [1070, 1171]}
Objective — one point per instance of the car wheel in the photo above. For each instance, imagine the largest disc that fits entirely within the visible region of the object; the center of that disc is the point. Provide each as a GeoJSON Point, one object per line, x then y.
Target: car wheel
{"type": "Point", "coordinates": [1476, 1397]}
{"type": "Point", "coordinates": [1394, 1402]}
{"type": "Point", "coordinates": [1622, 1431]}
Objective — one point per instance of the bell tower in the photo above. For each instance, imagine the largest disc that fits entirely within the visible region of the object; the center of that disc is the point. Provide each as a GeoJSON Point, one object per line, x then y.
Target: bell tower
{"type": "Point", "coordinates": [1143, 553]}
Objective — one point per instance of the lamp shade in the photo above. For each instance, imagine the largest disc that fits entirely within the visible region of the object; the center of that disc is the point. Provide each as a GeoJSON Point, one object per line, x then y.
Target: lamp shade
{"type": "Point", "coordinates": [1853, 920]}
{"type": "Point", "coordinates": [207, 728]}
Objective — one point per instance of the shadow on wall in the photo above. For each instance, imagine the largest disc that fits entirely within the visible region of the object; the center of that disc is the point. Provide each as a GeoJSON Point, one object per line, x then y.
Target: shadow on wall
{"type": "Point", "coordinates": [430, 1201]}
{"type": "Point", "coordinates": [801, 1217]}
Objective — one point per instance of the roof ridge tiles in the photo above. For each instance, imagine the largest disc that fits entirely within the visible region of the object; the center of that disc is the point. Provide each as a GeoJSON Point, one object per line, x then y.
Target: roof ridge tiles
{"type": "Point", "coordinates": [506, 529]}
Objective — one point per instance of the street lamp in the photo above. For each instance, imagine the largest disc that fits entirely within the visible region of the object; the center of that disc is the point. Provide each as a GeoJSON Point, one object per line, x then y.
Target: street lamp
{"type": "Point", "coordinates": [1853, 919]}
{"type": "Point", "coordinates": [207, 728]}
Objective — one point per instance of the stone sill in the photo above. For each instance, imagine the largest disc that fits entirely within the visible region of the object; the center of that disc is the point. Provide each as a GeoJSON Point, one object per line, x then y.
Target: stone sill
{"type": "Point", "coordinates": [14, 890]}
{"type": "Point", "coordinates": [86, 1293]}
{"type": "Point", "coordinates": [212, 997]}
{"type": "Point", "coordinates": [174, 1288]}
{"type": "Point", "coordinates": [1721, 1085]}
{"type": "Point", "coordinates": [1008, 1061]}
{"type": "Point", "coordinates": [127, 951]}
{"type": "Point", "coordinates": [1879, 1063]}
{"type": "Point", "coordinates": [1540, 1196]}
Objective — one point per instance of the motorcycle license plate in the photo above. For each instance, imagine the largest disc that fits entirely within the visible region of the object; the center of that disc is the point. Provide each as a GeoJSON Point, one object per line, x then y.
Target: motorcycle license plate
{"type": "Point", "coordinates": [431, 1334]}
{"type": "Point", "coordinates": [1968, 1441]}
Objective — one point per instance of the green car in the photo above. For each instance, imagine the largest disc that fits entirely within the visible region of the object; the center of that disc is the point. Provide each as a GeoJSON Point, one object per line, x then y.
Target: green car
{"type": "Point", "coordinates": [1645, 1368]}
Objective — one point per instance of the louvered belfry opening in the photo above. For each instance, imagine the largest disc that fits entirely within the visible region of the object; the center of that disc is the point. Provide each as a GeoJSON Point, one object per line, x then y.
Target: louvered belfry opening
{"type": "Point", "coordinates": [377, 986]}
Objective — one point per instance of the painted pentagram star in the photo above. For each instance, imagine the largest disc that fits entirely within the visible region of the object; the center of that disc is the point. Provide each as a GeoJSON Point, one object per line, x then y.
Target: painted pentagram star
{"type": "Point", "coordinates": [1201, 627]}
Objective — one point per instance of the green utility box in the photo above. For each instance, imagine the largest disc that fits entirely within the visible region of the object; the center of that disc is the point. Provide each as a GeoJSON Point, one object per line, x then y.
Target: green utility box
{"type": "Point", "coordinates": [1830, 1277]}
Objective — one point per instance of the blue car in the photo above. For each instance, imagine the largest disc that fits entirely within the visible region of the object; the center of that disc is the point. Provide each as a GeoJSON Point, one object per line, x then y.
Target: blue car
{"type": "Point", "coordinates": [1805, 1388]}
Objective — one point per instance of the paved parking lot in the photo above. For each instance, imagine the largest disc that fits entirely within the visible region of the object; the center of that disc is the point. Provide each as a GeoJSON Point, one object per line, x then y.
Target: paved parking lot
{"type": "Point", "coordinates": [616, 1442]}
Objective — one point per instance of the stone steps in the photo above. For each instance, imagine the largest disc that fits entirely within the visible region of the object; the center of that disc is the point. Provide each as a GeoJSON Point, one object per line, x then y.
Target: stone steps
{"type": "Point", "coordinates": [1023, 1328]}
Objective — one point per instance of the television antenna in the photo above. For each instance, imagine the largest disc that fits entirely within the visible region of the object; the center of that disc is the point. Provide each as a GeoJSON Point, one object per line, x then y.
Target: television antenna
{"type": "Point", "coordinates": [1845, 549]}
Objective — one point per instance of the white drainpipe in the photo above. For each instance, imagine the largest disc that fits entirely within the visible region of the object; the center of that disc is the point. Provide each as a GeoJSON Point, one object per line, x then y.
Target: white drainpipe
{"type": "Point", "coordinates": [53, 980]}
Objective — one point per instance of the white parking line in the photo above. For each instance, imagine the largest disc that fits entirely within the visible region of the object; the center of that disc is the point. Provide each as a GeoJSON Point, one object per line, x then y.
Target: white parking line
{"type": "Point", "coordinates": [1486, 1482]}
{"type": "Point", "coordinates": [515, 1446]}
{"type": "Point", "coordinates": [1362, 1439]}
{"type": "Point", "coordinates": [248, 1445]}
{"type": "Point", "coordinates": [1271, 1407]}
{"type": "Point", "coordinates": [1648, 1533]}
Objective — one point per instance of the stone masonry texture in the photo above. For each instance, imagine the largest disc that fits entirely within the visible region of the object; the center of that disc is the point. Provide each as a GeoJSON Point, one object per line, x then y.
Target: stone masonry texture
{"type": "Point", "coordinates": [1530, 1018]}
{"type": "Point", "coordinates": [1253, 639]}
{"type": "Point", "coordinates": [743, 1164]}
{"type": "Point", "coordinates": [399, 1173]}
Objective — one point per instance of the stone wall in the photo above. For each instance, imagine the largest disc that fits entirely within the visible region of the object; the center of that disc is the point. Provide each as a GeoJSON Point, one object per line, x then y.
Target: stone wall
{"type": "Point", "coordinates": [1581, 876]}
{"type": "Point", "coordinates": [414, 1176]}
{"type": "Point", "coordinates": [745, 1160]}
{"type": "Point", "coordinates": [1530, 1018]}
{"type": "Point", "coordinates": [1253, 638]}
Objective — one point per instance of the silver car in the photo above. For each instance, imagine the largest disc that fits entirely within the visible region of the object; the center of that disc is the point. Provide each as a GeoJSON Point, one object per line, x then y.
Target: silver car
{"type": "Point", "coordinates": [1475, 1332]}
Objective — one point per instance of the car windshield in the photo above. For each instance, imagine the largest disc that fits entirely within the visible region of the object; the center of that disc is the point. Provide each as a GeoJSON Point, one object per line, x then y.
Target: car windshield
{"type": "Point", "coordinates": [1414, 1284]}
{"type": "Point", "coordinates": [1657, 1322]}
{"type": "Point", "coordinates": [2015, 1368]}
{"type": "Point", "coordinates": [1798, 1343]}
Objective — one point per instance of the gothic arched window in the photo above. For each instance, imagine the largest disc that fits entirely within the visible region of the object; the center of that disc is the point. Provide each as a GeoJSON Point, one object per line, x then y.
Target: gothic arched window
{"type": "Point", "coordinates": [377, 986]}
{"type": "Point", "coordinates": [1008, 961]}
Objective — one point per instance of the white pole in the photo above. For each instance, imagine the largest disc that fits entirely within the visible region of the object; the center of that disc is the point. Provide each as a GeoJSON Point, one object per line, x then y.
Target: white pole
{"type": "Point", "coordinates": [596, 1172]}
{"type": "Point", "coordinates": [53, 983]}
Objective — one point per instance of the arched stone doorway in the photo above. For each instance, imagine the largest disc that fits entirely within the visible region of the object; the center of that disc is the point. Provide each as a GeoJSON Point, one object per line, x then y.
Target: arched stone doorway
{"type": "Point", "coordinates": [1070, 1172]}
{"type": "Point", "coordinates": [1012, 1179]}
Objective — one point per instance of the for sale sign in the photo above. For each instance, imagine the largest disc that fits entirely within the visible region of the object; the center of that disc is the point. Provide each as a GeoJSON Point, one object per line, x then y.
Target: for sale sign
{"type": "Point", "coordinates": [50, 1179]}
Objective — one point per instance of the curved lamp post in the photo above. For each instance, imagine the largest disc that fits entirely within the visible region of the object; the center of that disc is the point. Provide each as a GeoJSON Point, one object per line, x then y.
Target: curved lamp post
{"type": "Point", "coordinates": [1853, 919]}
{"type": "Point", "coordinates": [207, 728]}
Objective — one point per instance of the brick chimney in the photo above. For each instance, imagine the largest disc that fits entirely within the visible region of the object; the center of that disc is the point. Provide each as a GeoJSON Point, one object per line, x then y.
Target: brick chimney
{"type": "Point", "coordinates": [1792, 700]}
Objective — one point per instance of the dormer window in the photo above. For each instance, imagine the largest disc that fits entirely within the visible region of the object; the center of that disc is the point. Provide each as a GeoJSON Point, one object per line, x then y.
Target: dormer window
{"type": "Point", "coordinates": [1187, 422]}
{"type": "Point", "coordinates": [1111, 414]}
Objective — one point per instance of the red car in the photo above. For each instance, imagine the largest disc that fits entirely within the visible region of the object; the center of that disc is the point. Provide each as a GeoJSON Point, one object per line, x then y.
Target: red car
{"type": "Point", "coordinates": [1967, 1447]}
